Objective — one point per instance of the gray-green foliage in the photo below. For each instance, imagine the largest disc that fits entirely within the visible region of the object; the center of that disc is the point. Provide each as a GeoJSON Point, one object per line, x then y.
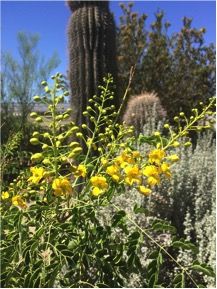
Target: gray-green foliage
{"type": "Point", "coordinates": [187, 201]}
{"type": "Point", "coordinates": [20, 78]}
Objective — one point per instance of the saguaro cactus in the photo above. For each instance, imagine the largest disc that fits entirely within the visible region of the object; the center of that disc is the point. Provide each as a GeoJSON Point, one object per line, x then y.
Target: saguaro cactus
{"type": "Point", "coordinates": [92, 52]}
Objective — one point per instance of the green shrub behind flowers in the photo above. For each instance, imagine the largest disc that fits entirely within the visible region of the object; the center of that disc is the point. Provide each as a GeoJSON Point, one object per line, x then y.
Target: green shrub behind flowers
{"type": "Point", "coordinates": [52, 235]}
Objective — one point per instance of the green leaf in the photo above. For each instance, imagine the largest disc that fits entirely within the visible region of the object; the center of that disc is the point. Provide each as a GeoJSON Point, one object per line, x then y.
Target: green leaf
{"type": "Point", "coordinates": [61, 247]}
{"type": "Point", "coordinates": [37, 282]}
{"type": "Point", "coordinates": [39, 232]}
{"type": "Point", "coordinates": [51, 276]}
{"type": "Point", "coordinates": [152, 281]}
{"type": "Point", "coordinates": [177, 279]}
{"type": "Point", "coordinates": [33, 277]}
{"type": "Point", "coordinates": [141, 210]}
{"type": "Point", "coordinates": [131, 260]}
{"type": "Point", "coordinates": [186, 245]}
{"type": "Point", "coordinates": [26, 280]}
{"type": "Point", "coordinates": [153, 255]}
{"type": "Point", "coordinates": [205, 270]}
{"type": "Point", "coordinates": [67, 253]}
{"type": "Point", "coordinates": [159, 226]}
{"type": "Point", "coordinates": [118, 217]}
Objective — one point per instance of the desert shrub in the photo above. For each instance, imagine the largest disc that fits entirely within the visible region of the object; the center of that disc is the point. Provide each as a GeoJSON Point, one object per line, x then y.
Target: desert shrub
{"type": "Point", "coordinates": [52, 232]}
{"type": "Point", "coordinates": [140, 109]}
{"type": "Point", "coordinates": [187, 200]}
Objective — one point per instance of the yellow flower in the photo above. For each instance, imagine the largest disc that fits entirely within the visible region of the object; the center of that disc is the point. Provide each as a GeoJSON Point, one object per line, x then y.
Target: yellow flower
{"type": "Point", "coordinates": [124, 159]}
{"type": "Point", "coordinates": [5, 195]}
{"type": "Point", "coordinates": [165, 169]}
{"type": "Point", "coordinates": [152, 173]}
{"type": "Point", "coordinates": [113, 171]}
{"type": "Point", "coordinates": [133, 175]}
{"type": "Point", "coordinates": [81, 171]}
{"type": "Point", "coordinates": [37, 175]}
{"type": "Point", "coordinates": [61, 186]}
{"type": "Point", "coordinates": [173, 158]}
{"type": "Point", "coordinates": [97, 191]}
{"type": "Point", "coordinates": [156, 156]}
{"type": "Point", "coordinates": [104, 161]}
{"type": "Point", "coordinates": [136, 154]}
{"type": "Point", "coordinates": [99, 181]}
{"type": "Point", "coordinates": [144, 190]}
{"type": "Point", "coordinates": [152, 181]}
{"type": "Point", "coordinates": [100, 185]}
{"type": "Point", "coordinates": [19, 202]}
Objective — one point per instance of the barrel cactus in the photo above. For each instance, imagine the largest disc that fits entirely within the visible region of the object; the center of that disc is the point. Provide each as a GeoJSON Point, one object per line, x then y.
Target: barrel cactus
{"type": "Point", "coordinates": [92, 52]}
{"type": "Point", "coordinates": [141, 108]}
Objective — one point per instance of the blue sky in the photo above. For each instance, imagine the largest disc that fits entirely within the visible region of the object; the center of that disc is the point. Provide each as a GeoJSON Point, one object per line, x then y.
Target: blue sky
{"type": "Point", "coordinates": [50, 18]}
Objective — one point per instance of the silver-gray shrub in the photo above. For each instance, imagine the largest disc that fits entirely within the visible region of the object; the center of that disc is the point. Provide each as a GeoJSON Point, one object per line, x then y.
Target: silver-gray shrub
{"type": "Point", "coordinates": [187, 200]}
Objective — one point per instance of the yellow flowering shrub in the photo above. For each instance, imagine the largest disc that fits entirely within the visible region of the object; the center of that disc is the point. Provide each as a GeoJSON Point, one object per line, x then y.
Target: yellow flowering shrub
{"type": "Point", "coordinates": [52, 235]}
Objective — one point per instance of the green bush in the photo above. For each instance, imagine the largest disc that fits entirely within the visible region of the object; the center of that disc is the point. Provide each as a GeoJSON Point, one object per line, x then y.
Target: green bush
{"type": "Point", "coordinates": [53, 232]}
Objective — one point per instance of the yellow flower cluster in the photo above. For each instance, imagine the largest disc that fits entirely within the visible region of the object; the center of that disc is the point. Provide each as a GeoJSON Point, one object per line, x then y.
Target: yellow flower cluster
{"type": "Point", "coordinates": [127, 168]}
{"type": "Point", "coordinates": [81, 171]}
{"type": "Point", "coordinates": [5, 195]}
{"type": "Point", "coordinates": [99, 184]}
{"type": "Point", "coordinates": [19, 202]}
{"type": "Point", "coordinates": [37, 175]}
{"type": "Point", "coordinates": [61, 187]}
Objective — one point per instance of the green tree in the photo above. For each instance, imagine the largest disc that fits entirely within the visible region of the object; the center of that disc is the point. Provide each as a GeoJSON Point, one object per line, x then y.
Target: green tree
{"type": "Point", "coordinates": [20, 78]}
{"type": "Point", "coordinates": [180, 67]}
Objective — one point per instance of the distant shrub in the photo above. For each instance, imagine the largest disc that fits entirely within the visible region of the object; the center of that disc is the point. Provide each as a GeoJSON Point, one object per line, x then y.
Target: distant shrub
{"type": "Point", "coordinates": [140, 108]}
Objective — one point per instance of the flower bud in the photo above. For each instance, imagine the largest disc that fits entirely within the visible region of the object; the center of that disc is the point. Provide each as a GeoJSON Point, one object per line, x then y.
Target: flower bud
{"type": "Point", "coordinates": [187, 144]}
{"type": "Point", "coordinates": [45, 146]}
{"type": "Point", "coordinates": [79, 135]}
{"type": "Point", "coordinates": [60, 137]}
{"type": "Point", "coordinates": [38, 119]}
{"type": "Point", "coordinates": [37, 98]}
{"type": "Point", "coordinates": [166, 125]}
{"type": "Point", "coordinates": [59, 117]}
{"type": "Point", "coordinates": [63, 159]}
{"type": "Point", "coordinates": [35, 134]}
{"type": "Point", "coordinates": [33, 114]}
{"type": "Point", "coordinates": [44, 83]}
{"type": "Point", "coordinates": [46, 162]}
{"type": "Point", "coordinates": [181, 114]}
{"type": "Point", "coordinates": [176, 118]}
{"type": "Point", "coordinates": [157, 133]}
{"type": "Point", "coordinates": [66, 93]}
{"type": "Point", "coordinates": [176, 144]}
{"type": "Point", "coordinates": [84, 126]}
{"type": "Point", "coordinates": [74, 129]}
{"type": "Point", "coordinates": [46, 89]}
{"type": "Point", "coordinates": [37, 157]}
{"type": "Point", "coordinates": [58, 143]}
{"type": "Point", "coordinates": [85, 113]}
{"type": "Point", "coordinates": [46, 135]}
{"type": "Point", "coordinates": [34, 141]}
{"type": "Point", "coordinates": [66, 116]}
{"type": "Point", "coordinates": [77, 150]}
{"type": "Point", "coordinates": [74, 143]}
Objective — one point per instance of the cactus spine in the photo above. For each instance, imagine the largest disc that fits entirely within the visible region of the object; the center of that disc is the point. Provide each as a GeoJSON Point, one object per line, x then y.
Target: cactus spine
{"type": "Point", "coordinates": [92, 52]}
